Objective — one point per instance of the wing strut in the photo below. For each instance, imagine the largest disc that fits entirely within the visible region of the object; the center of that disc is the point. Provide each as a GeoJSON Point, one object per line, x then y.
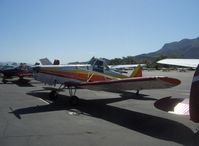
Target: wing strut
{"type": "Point", "coordinates": [72, 90]}
{"type": "Point", "coordinates": [90, 76]}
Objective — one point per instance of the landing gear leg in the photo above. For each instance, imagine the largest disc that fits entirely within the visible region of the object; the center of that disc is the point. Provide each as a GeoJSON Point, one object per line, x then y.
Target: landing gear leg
{"type": "Point", "coordinates": [54, 93]}
{"type": "Point", "coordinates": [138, 91]}
{"type": "Point", "coordinates": [4, 80]}
{"type": "Point", "coordinates": [74, 100]}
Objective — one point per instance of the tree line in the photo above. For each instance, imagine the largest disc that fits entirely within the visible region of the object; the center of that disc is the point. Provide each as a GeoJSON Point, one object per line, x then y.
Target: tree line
{"type": "Point", "coordinates": [150, 62]}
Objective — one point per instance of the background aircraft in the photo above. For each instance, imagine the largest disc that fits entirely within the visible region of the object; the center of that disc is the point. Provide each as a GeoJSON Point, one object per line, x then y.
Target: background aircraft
{"type": "Point", "coordinates": [97, 76]}
{"type": "Point", "coordinates": [20, 71]}
{"type": "Point", "coordinates": [193, 63]}
{"type": "Point", "coordinates": [124, 68]}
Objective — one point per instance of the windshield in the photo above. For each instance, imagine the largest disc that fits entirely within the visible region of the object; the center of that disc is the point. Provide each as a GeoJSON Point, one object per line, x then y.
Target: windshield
{"type": "Point", "coordinates": [99, 65]}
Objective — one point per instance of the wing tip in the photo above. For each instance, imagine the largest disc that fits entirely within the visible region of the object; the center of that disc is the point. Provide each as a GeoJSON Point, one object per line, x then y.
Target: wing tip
{"type": "Point", "coordinates": [172, 81]}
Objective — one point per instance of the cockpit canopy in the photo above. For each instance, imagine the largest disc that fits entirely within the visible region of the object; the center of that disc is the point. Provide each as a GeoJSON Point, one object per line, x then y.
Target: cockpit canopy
{"type": "Point", "coordinates": [98, 65]}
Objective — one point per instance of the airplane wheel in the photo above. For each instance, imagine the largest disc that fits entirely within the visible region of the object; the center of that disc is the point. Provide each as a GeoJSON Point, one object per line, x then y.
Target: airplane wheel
{"type": "Point", "coordinates": [4, 81]}
{"type": "Point", "coordinates": [53, 95]}
{"type": "Point", "coordinates": [137, 93]}
{"type": "Point", "coordinates": [74, 100]}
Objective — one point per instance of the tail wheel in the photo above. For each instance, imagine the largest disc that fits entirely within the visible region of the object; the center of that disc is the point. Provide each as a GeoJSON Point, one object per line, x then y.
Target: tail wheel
{"type": "Point", "coordinates": [137, 92]}
{"type": "Point", "coordinates": [4, 81]}
{"type": "Point", "coordinates": [21, 77]}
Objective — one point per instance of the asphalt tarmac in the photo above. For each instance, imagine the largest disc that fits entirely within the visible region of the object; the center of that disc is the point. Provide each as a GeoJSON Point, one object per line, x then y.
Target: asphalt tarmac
{"type": "Point", "coordinates": [29, 118]}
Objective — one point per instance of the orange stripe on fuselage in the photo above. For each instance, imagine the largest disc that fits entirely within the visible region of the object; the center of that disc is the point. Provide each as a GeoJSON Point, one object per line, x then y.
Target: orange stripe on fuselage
{"type": "Point", "coordinates": [76, 74]}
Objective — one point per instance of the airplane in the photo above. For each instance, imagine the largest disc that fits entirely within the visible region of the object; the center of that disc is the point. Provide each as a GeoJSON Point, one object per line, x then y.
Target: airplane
{"type": "Point", "coordinates": [183, 106]}
{"type": "Point", "coordinates": [123, 68]}
{"type": "Point", "coordinates": [193, 63]}
{"type": "Point", "coordinates": [10, 71]}
{"type": "Point", "coordinates": [182, 69]}
{"type": "Point", "coordinates": [96, 75]}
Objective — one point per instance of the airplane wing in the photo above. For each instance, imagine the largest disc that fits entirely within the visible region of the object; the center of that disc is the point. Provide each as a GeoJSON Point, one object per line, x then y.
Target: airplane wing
{"type": "Point", "coordinates": [181, 62]}
{"type": "Point", "coordinates": [138, 83]}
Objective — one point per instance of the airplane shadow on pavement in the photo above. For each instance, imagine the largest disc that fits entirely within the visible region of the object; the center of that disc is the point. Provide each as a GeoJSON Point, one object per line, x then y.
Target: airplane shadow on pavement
{"type": "Point", "coordinates": [20, 82]}
{"type": "Point", "coordinates": [150, 125]}
{"type": "Point", "coordinates": [131, 95]}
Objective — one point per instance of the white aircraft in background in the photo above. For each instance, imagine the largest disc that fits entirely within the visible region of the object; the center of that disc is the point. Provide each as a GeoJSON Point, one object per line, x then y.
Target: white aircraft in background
{"type": "Point", "coordinates": [193, 63]}
{"type": "Point", "coordinates": [123, 68]}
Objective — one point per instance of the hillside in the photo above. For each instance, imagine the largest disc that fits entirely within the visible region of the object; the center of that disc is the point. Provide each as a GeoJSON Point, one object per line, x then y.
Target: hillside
{"type": "Point", "coordinates": [186, 48]}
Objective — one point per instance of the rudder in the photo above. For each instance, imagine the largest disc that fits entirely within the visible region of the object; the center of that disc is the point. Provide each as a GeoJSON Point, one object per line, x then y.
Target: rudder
{"type": "Point", "coordinates": [137, 72]}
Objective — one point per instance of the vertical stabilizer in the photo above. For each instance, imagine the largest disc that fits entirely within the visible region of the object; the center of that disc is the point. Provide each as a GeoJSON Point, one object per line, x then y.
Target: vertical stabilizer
{"type": "Point", "coordinates": [194, 97]}
{"type": "Point", "coordinates": [45, 61]}
{"type": "Point", "coordinates": [137, 72]}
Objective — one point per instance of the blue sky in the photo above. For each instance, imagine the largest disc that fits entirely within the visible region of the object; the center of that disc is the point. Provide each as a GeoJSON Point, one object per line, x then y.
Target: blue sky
{"type": "Point", "coordinates": [76, 30]}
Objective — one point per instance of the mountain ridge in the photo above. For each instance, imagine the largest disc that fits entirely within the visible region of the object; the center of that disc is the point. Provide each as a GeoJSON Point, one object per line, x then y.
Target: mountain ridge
{"type": "Point", "coordinates": [185, 48]}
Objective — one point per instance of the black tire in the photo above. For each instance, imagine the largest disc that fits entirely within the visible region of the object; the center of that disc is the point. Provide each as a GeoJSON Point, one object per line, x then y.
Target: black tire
{"type": "Point", "coordinates": [4, 81]}
{"type": "Point", "coordinates": [74, 100]}
{"type": "Point", "coordinates": [53, 95]}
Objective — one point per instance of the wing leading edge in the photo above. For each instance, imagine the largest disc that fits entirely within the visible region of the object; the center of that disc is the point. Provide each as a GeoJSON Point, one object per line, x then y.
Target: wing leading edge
{"type": "Point", "coordinates": [180, 62]}
{"type": "Point", "coordinates": [131, 84]}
